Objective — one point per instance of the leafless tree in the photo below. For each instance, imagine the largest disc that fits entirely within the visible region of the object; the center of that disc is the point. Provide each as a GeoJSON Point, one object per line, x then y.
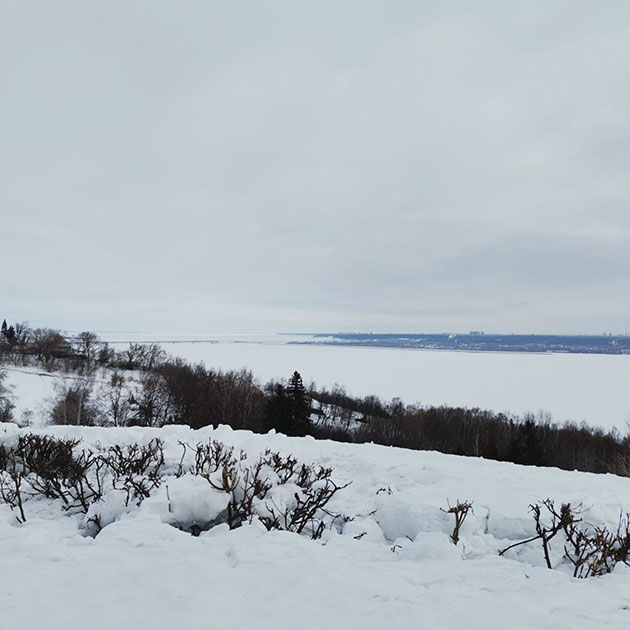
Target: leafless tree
{"type": "Point", "coordinates": [87, 348]}
{"type": "Point", "coordinates": [73, 403]}
{"type": "Point", "coordinates": [115, 401]}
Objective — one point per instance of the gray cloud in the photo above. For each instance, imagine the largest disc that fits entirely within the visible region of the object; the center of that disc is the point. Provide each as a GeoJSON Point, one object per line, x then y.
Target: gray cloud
{"type": "Point", "coordinates": [315, 166]}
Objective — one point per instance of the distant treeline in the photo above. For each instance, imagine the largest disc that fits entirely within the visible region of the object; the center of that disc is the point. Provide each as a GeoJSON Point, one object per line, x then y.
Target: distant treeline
{"type": "Point", "coordinates": [146, 387]}
{"type": "Point", "coordinates": [531, 440]}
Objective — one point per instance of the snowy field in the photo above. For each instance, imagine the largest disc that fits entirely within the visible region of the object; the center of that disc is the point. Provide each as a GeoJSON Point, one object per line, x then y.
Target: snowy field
{"type": "Point", "coordinates": [593, 388]}
{"type": "Point", "coordinates": [393, 566]}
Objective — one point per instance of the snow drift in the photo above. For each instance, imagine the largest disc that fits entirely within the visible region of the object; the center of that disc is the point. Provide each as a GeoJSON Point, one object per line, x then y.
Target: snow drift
{"type": "Point", "coordinates": [388, 560]}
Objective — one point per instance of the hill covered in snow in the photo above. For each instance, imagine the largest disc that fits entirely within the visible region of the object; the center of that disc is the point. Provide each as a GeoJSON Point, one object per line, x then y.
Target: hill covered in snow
{"type": "Point", "coordinates": [384, 556]}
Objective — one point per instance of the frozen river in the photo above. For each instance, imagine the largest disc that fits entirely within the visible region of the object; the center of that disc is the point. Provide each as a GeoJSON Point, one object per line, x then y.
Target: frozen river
{"type": "Point", "coordinates": [594, 388]}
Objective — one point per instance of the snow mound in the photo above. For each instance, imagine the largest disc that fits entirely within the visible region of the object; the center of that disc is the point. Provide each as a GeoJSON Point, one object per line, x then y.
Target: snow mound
{"type": "Point", "coordinates": [385, 556]}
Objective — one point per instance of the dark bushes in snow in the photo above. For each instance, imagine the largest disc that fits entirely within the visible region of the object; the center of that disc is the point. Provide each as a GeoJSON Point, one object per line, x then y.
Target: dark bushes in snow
{"type": "Point", "coordinates": [44, 466]}
{"type": "Point", "coordinates": [41, 465]}
{"type": "Point", "coordinates": [592, 549]}
{"type": "Point", "coordinates": [250, 487]}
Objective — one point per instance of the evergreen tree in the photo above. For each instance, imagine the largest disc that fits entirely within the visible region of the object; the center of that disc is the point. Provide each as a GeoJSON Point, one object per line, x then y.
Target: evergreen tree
{"type": "Point", "coordinates": [527, 447]}
{"type": "Point", "coordinates": [9, 334]}
{"type": "Point", "coordinates": [287, 409]}
{"type": "Point", "coordinates": [276, 408]}
{"type": "Point", "coordinates": [4, 326]}
{"type": "Point", "coordinates": [300, 408]}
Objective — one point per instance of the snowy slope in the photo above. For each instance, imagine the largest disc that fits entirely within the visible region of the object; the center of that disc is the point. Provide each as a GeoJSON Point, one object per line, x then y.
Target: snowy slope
{"type": "Point", "coordinates": [32, 390]}
{"type": "Point", "coordinates": [141, 573]}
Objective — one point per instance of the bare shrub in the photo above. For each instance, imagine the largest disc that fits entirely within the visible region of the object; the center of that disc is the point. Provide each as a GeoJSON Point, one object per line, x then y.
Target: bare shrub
{"type": "Point", "coordinates": [136, 469]}
{"type": "Point", "coordinates": [46, 466]}
{"type": "Point", "coordinates": [250, 484]}
{"type": "Point", "coordinates": [11, 476]}
{"type": "Point", "coordinates": [47, 457]}
{"type": "Point", "coordinates": [209, 457]}
{"type": "Point", "coordinates": [52, 469]}
{"type": "Point", "coordinates": [596, 550]}
{"type": "Point", "coordinates": [592, 549]}
{"type": "Point", "coordinates": [565, 520]}
{"type": "Point", "coordinates": [460, 512]}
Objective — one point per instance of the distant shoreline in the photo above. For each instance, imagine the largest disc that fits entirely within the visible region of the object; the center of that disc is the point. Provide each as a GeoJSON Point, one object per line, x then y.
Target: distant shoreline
{"type": "Point", "coordinates": [480, 342]}
{"type": "Point", "coordinates": [488, 343]}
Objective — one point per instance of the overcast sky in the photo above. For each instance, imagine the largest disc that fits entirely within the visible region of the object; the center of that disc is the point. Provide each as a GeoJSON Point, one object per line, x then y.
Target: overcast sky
{"type": "Point", "coordinates": [198, 166]}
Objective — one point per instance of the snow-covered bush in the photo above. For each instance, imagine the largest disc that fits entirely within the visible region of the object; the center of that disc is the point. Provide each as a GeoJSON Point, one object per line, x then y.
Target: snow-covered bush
{"type": "Point", "coordinates": [52, 468]}
{"type": "Point", "coordinates": [278, 491]}
{"type": "Point", "coordinates": [210, 485]}
{"type": "Point", "coordinates": [47, 466]}
{"type": "Point", "coordinates": [592, 550]}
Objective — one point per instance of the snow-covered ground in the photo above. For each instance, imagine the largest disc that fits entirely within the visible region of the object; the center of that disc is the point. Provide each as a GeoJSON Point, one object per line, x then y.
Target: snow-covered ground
{"type": "Point", "coordinates": [403, 572]}
{"type": "Point", "coordinates": [33, 390]}
{"type": "Point", "coordinates": [593, 388]}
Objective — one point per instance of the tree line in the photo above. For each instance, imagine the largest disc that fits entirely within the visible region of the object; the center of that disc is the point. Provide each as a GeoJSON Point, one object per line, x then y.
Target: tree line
{"type": "Point", "coordinates": [530, 440]}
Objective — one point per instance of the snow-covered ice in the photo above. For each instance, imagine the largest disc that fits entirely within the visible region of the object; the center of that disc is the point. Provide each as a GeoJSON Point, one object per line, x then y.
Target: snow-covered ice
{"type": "Point", "coordinates": [578, 387]}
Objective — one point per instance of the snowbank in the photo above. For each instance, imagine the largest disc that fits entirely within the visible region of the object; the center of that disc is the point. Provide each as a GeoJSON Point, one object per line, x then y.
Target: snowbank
{"type": "Point", "coordinates": [392, 565]}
